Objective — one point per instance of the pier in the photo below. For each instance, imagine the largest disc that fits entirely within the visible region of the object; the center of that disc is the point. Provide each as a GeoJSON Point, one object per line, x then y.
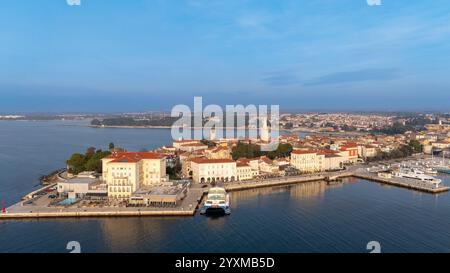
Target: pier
{"type": "Point", "coordinates": [39, 209]}
{"type": "Point", "coordinates": [78, 214]}
{"type": "Point", "coordinates": [403, 183]}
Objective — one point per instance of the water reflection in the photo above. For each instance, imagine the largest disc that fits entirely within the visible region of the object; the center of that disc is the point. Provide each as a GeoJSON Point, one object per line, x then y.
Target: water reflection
{"type": "Point", "coordinates": [309, 190]}
{"type": "Point", "coordinates": [120, 233]}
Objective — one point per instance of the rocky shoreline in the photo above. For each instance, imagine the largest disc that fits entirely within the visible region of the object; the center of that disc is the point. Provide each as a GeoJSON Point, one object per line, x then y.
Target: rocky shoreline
{"type": "Point", "coordinates": [52, 177]}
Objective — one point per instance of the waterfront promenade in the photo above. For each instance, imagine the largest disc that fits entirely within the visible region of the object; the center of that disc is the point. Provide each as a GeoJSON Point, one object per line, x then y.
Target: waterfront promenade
{"type": "Point", "coordinates": [280, 181]}
{"type": "Point", "coordinates": [194, 198]}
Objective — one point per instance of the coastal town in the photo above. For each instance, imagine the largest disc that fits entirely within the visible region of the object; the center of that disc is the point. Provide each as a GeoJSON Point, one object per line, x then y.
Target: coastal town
{"type": "Point", "coordinates": [173, 179]}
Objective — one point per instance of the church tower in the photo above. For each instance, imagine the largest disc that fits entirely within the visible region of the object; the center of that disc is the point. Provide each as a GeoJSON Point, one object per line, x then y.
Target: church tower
{"type": "Point", "coordinates": [264, 131]}
{"type": "Point", "coordinates": [212, 134]}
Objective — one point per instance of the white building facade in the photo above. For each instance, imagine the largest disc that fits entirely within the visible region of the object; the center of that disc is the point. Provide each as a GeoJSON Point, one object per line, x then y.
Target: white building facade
{"type": "Point", "coordinates": [213, 170]}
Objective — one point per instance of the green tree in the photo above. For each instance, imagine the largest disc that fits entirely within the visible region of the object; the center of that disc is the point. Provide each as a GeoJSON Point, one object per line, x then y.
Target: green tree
{"type": "Point", "coordinates": [245, 150]}
{"type": "Point", "coordinates": [283, 150]}
{"type": "Point", "coordinates": [96, 122]}
{"type": "Point", "coordinates": [395, 129]}
{"type": "Point", "coordinates": [208, 143]}
{"type": "Point", "coordinates": [251, 150]}
{"type": "Point", "coordinates": [90, 152]}
{"type": "Point", "coordinates": [90, 161]}
{"type": "Point", "coordinates": [175, 171]}
{"type": "Point", "coordinates": [76, 163]}
{"type": "Point", "coordinates": [95, 162]}
{"type": "Point", "coordinates": [416, 146]}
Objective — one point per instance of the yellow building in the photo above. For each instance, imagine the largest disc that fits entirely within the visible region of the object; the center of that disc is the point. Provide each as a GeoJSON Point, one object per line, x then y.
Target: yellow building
{"type": "Point", "coordinates": [307, 161]}
{"type": "Point", "coordinates": [244, 171]}
{"type": "Point", "coordinates": [267, 166]}
{"type": "Point", "coordinates": [368, 151]}
{"type": "Point", "coordinates": [126, 172]}
{"type": "Point", "coordinates": [253, 163]}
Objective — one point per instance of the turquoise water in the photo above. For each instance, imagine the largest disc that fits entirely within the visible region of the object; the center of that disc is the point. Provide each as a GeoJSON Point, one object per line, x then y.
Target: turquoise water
{"type": "Point", "coordinates": [310, 217]}
{"type": "Point", "coordinates": [67, 202]}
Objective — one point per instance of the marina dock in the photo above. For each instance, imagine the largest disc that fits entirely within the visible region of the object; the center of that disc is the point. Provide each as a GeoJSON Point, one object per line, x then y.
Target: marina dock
{"type": "Point", "coordinates": [403, 183]}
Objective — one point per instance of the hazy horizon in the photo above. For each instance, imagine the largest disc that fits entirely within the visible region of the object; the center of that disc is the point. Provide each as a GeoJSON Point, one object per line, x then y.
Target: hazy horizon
{"type": "Point", "coordinates": [282, 111]}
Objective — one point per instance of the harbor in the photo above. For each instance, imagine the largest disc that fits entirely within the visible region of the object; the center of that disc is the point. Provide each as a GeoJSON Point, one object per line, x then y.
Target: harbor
{"type": "Point", "coordinates": [36, 204]}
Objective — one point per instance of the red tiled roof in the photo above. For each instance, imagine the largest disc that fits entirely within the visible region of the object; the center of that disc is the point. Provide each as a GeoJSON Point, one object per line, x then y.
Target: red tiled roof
{"type": "Point", "coordinates": [126, 159]}
{"type": "Point", "coordinates": [186, 141]}
{"type": "Point", "coordinates": [242, 161]}
{"type": "Point", "coordinates": [289, 137]}
{"type": "Point", "coordinates": [304, 152]}
{"type": "Point", "coordinates": [220, 148]}
{"type": "Point", "coordinates": [349, 145]}
{"type": "Point", "coordinates": [265, 159]}
{"type": "Point", "coordinates": [327, 152]}
{"type": "Point", "coordinates": [211, 161]}
{"type": "Point", "coordinates": [130, 157]}
{"type": "Point", "coordinates": [193, 144]}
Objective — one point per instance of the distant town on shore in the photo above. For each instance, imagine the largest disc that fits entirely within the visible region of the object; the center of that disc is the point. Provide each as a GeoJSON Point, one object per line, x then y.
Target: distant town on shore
{"type": "Point", "coordinates": [390, 123]}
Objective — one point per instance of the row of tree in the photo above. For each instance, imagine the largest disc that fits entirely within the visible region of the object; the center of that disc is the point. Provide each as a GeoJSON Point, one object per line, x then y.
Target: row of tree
{"type": "Point", "coordinates": [174, 171]}
{"type": "Point", "coordinates": [127, 121]}
{"type": "Point", "coordinates": [89, 161]}
{"type": "Point", "coordinates": [169, 121]}
{"type": "Point", "coordinates": [395, 129]}
{"type": "Point", "coordinates": [252, 150]}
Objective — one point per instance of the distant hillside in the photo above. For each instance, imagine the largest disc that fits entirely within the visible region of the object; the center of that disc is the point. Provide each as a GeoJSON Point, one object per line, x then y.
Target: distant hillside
{"type": "Point", "coordinates": [128, 121]}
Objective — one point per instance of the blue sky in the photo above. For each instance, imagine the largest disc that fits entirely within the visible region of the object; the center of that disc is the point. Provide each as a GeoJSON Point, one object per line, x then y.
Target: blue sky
{"type": "Point", "coordinates": [138, 55]}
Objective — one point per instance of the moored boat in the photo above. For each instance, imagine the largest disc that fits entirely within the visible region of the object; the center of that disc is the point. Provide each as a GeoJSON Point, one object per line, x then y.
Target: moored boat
{"type": "Point", "coordinates": [443, 170]}
{"type": "Point", "coordinates": [416, 174]}
{"type": "Point", "coordinates": [430, 171]}
{"type": "Point", "coordinates": [218, 200]}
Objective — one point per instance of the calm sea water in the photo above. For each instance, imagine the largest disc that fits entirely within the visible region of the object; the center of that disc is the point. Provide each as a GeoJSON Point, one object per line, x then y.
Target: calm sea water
{"type": "Point", "coordinates": [310, 217]}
